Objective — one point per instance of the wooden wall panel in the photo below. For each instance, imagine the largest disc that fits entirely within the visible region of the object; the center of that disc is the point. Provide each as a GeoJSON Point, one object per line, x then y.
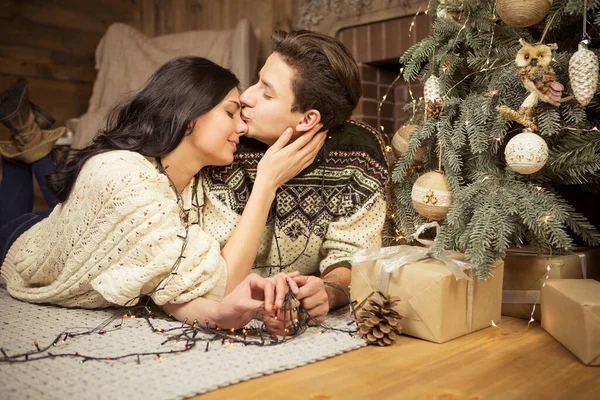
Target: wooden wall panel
{"type": "Point", "coordinates": [159, 17]}
{"type": "Point", "coordinates": [51, 44]}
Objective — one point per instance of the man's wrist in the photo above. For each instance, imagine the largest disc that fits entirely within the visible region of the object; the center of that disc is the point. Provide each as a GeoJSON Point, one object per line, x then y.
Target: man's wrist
{"type": "Point", "coordinates": [336, 295]}
{"type": "Point", "coordinates": [331, 296]}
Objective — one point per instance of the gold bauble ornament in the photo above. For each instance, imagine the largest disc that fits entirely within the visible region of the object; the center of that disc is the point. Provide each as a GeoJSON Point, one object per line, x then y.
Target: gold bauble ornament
{"type": "Point", "coordinates": [431, 195]}
{"type": "Point", "coordinates": [583, 74]}
{"type": "Point", "coordinates": [522, 13]}
{"type": "Point", "coordinates": [526, 153]}
{"type": "Point", "coordinates": [400, 142]}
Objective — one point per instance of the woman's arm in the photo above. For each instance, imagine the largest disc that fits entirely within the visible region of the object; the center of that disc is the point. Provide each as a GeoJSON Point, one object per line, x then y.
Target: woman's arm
{"type": "Point", "coordinates": [252, 296]}
{"type": "Point", "coordinates": [279, 164]}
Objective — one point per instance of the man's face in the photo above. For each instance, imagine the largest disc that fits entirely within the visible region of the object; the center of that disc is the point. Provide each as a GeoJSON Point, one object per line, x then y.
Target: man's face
{"type": "Point", "coordinates": [268, 104]}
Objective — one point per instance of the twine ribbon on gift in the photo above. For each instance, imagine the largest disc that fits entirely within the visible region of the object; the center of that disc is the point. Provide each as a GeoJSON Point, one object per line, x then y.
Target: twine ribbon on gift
{"type": "Point", "coordinates": [395, 257]}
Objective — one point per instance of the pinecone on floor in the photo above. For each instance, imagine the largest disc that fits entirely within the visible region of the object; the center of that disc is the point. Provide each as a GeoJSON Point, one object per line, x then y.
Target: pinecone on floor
{"type": "Point", "coordinates": [377, 321]}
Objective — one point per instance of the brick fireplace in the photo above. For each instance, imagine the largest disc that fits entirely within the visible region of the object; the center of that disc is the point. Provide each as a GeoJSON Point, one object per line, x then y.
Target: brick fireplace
{"type": "Point", "coordinates": [377, 47]}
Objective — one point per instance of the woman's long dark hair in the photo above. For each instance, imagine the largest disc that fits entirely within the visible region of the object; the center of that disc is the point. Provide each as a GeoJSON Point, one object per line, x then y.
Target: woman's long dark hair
{"type": "Point", "coordinates": [156, 119]}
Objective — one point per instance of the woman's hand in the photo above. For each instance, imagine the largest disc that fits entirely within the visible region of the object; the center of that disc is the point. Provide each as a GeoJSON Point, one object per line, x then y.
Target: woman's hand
{"type": "Point", "coordinates": [284, 161]}
{"type": "Point", "coordinates": [252, 296]}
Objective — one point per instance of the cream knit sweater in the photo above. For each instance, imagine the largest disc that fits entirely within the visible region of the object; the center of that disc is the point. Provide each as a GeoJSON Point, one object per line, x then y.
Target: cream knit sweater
{"type": "Point", "coordinates": [116, 237]}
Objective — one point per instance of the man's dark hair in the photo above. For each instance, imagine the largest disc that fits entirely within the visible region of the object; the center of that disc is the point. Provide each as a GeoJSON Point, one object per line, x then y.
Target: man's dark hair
{"type": "Point", "coordinates": [326, 75]}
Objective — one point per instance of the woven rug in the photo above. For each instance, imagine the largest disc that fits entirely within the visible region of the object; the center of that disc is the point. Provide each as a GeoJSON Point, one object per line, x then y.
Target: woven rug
{"type": "Point", "coordinates": [177, 376]}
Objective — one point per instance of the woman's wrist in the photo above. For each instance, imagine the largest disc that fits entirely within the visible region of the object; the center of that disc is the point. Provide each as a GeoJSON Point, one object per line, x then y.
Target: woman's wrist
{"type": "Point", "coordinates": [265, 188]}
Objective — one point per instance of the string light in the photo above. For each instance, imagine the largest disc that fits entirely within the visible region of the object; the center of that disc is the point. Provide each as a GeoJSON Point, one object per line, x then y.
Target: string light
{"type": "Point", "coordinates": [250, 335]}
{"type": "Point", "coordinates": [412, 23]}
{"type": "Point", "coordinates": [531, 318]}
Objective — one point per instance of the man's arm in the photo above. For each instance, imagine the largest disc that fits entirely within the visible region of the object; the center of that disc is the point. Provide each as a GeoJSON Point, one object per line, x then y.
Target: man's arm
{"type": "Point", "coordinates": [344, 237]}
{"type": "Point", "coordinates": [340, 277]}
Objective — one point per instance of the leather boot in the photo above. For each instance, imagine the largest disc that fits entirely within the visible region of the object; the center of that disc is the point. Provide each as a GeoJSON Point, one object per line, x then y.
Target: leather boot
{"type": "Point", "coordinates": [30, 140]}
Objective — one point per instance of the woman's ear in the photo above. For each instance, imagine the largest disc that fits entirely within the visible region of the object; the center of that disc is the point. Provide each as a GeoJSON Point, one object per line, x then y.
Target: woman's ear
{"type": "Point", "coordinates": [311, 118]}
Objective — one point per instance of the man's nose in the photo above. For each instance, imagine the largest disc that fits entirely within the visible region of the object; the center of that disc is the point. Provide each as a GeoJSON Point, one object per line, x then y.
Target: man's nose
{"type": "Point", "coordinates": [247, 98]}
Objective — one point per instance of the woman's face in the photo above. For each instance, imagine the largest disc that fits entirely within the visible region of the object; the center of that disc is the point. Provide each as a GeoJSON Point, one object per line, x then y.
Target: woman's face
{"type": "Point", "coordinates": [216, 134]}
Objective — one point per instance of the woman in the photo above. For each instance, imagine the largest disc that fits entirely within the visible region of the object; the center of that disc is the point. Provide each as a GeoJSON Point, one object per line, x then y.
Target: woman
{"type": "Point", "coordinates": [129, 222]}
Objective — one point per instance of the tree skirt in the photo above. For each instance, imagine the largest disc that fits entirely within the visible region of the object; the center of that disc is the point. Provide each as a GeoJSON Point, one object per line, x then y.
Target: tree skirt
{"type": "Point", "coordinates": [177, 376]}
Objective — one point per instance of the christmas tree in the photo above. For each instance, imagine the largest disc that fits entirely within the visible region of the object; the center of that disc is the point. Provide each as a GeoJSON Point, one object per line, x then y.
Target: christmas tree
{"type": "Point", "coordinates": [510, 113]}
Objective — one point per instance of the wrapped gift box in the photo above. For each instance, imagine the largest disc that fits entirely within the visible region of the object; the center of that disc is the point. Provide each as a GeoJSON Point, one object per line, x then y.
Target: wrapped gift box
{"type": "Point", "coordinates": [435, 306]}
{"type": "Point", "coordinates": [571, 313]}
{"type": "Point", "coordinates": [525, 271]}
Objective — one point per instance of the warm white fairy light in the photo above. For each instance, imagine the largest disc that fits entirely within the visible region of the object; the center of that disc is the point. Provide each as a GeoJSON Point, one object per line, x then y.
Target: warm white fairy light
{"type": "Point", "coordinates": [531, 318]}
{"type": "Point", "coordinates": [412, 24]}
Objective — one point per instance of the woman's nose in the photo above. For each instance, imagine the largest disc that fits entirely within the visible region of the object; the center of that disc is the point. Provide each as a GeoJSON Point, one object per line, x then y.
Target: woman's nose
{"type": "Point", "coordinates": [241, 128]}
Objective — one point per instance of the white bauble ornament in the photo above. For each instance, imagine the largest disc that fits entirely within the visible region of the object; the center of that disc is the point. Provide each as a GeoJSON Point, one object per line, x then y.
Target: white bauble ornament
{"type": "Point", "coordinates": [522, 13]}
{"type": "Point", "coordinates": [526, 153]}
{"type": "Point", "coordinates": [432, 90]}
{"type": "Point", "coordinates": [431, 195]}
{"type": "Point", "coordinates": [400, 142]}
{"type": "Point", "coordinates": [583, 74]}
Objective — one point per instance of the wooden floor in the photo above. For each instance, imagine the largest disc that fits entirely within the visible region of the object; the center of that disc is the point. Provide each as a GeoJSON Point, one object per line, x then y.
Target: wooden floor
{"type": "Point", "coordinates": [507, 362]}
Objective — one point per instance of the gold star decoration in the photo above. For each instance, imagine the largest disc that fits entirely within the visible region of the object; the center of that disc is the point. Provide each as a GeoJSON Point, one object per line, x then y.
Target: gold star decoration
{"type": "Point", "coordinates": [429, 198]}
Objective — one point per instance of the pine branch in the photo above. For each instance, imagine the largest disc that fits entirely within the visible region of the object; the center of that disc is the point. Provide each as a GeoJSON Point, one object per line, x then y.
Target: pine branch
{"type": "Point", "coordinates": [548, 120]}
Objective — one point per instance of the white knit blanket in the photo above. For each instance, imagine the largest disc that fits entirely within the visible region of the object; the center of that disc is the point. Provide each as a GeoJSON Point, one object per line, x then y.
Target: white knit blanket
{"type": "Point", "coordinates": [177, 376]}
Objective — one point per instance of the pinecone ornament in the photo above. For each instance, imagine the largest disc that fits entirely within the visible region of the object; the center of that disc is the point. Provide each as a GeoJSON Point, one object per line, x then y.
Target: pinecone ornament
{"type": "Point", "coordinates": [378, 322]}
{"type": "Point", "coordinates": [583, 73]}
{"type": "Point", "coordinates": [432, 90]}
{"type": "Point", "coordinates": [434, 109]}
{"type": "Point", "coordinates": [432, 93]}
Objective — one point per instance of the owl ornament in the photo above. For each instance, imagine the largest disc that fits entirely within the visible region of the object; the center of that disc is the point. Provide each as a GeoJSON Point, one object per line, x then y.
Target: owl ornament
{"type": "Point", "coordinates": [539, 79]}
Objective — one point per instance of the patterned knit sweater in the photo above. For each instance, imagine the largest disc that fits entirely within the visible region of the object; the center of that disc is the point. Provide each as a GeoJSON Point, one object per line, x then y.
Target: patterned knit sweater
{"type": "Point", "coordinates": [320, 218]}
{"type": "Point", "coordinates": [116, 237]}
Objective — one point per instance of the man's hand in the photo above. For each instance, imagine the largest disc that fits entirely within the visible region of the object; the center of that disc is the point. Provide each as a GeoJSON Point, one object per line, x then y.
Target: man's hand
{"type": "Point", "coordinates": [314, 299]}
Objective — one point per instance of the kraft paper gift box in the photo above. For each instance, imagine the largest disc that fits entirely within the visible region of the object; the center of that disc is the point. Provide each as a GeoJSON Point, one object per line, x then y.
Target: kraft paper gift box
{"type": "Point", "coordinates": [525, 271]}
{"type": "Point", "coordinates": [434, 304]}
{"type": "Point", "coordinates": [571, 314]}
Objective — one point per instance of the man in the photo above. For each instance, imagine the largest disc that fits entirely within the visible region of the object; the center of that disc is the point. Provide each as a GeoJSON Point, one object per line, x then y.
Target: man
{"type": "Point", "coordinates": [333, 208]}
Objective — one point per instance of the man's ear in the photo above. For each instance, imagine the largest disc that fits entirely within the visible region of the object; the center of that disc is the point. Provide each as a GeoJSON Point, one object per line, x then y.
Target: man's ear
{"type": "Point", "coordinates": [311, 118]}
